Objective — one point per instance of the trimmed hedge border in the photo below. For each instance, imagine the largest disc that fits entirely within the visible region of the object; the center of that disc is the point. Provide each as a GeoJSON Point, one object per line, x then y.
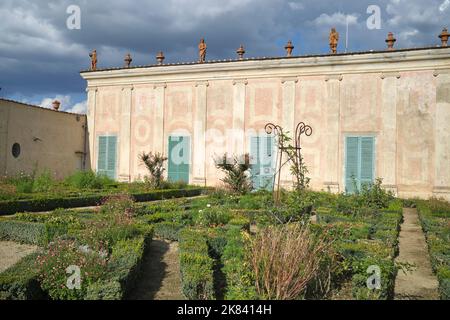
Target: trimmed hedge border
{"type": "Point", "coordinates": [20, 282]}
{"type": "Point", "coordinates": [438, 247]}
{"type": "Point", "coordinates": [41, 205]}
{"type": "Point", "coordinates": [197, 267]}
{"type": "Point", "coordinates": [29, 232]}
{"type": "Point", "coordinates": [125, 269]}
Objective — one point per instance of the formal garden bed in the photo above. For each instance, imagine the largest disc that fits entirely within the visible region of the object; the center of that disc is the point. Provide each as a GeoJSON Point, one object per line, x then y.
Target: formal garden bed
{"type": "Point", "coordinates": [30, 193]}
{"type": "Point", "coordinates": [223, 241]}
{"type": "Point", "coordinates": [435, 218]}
{"type": "Point", "coordinates": [233, 243]}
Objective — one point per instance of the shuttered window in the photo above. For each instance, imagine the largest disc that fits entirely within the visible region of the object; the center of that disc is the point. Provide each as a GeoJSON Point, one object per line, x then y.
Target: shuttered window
{"type": "Point", "coordinates": [107, 156]}
{"type": "Point", "coordinates": [263, 159]}
{"type": "Point", "coordinates": [179, 159]}
{"type": "Point", "coordinates": [359, 162]}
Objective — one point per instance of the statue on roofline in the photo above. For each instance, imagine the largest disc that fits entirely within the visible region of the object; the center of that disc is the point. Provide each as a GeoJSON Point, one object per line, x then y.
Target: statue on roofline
{"type": "Point", "coordinates": [202, 51]}
{"type": "Point", "coordinates": [334, 39]}
{"type": "Point", "coordinates": [93, 56]}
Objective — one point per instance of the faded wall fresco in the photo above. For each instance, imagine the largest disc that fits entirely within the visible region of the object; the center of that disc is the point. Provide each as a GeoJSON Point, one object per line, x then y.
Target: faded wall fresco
{"type": "Point", "coordinates": [398, 109]}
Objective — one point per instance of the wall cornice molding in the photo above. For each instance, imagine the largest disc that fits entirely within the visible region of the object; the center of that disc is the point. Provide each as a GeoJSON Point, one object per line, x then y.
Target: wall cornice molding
{"type": "Point", "coordinates": [240, 81]}
{"type": "Point", "coordinates": [438, 72]}
{"type": "Point", "coordinates": [385, 75]}
{"type": "Point", "coordinates": [338, 77]}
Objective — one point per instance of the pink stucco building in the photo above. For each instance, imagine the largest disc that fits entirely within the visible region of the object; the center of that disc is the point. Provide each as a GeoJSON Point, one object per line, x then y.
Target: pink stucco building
{"type": "Point", "coordinates": [374, 114]}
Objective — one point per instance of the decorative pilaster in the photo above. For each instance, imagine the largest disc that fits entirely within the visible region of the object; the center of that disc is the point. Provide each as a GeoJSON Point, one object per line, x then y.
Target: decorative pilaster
{"type": "Point", "coordinates": [442, 129]}
{"type": "Point", "coordinates": [288, 86]}
{"type": "Point", "coordinates": [158, 119]}
{"type": "Point", "coordinates": [91, 111]}
{"type": "Point", "coordinates": [387, 139]}
{"type": "Point", "coordinates": [332, 136]}
{"type": "Point", "coordinates": [238, 134]}
{"type": "Point", "coordinates": [199, 143]}
{"type": "Point", "coordinates": [124, 145]}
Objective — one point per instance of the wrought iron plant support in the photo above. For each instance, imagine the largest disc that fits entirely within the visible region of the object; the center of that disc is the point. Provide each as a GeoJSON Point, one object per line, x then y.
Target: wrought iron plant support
{"type": "Point", "coordinates": [285, 148]}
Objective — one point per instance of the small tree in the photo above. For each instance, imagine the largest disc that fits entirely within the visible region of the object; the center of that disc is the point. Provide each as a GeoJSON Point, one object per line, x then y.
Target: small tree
{"type": "Point", "coordinates": [236, 172]}
{"type": "Point", "coordinates": [155, 165]}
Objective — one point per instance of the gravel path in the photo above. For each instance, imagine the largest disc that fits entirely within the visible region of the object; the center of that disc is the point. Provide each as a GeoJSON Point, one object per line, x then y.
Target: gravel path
{"type": "Point", "coordinates": [12, 252]}
{"type": "Point", "coordinates": [161, 274]}
{"type": "Point", "coordinates": [421, 283]}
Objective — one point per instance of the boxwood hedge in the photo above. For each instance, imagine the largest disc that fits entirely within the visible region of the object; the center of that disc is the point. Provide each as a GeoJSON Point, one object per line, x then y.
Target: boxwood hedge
{"type": "Point", "coordinates": [48, 204]}
{"type": "Point", "coordinates": [20, 282]}
{"type": "Point", "coordinates": [197, 267]}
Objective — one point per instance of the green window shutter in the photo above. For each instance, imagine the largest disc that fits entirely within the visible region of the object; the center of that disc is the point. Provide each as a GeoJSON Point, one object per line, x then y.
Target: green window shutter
{"type": "Point", "coordinates": [262, 153]}
{"type": "Point", "coordinates": [102, 155]}
{"type": "Point", "coordinates": [351, 164]}
{"type": "Point", "coordinates": [107, 156]}
{"type": "Point", "coordinates": [112, 155]}
{"type": "Point", "coordinates": [367, 160]}
{"type": "Point", "coordinates": [186, 156]}
{"type": "Point", "coordinates": [179, 159]}
{"type": "Point", "coordinates": [255, 171]}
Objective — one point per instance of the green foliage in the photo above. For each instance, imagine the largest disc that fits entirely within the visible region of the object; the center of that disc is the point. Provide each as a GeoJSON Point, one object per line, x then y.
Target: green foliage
{"type": "Point", "coordinates": [434, 216]}
{"type": "Point", "coordinates": [23, 182]}
{"type": "Point", "coordinates": [241, 223]}
{"type": "Point", "coordinates": [20, 282]}
{"type": "Point", "coordinates": [197, 267]}
{"type": "Point", "coordinates": [155, 166]}
{"type": "Point", "coordinates": [44, 182]}
{"type": "Point", "coordinates": [236, 170]}
{"type": "Point", "coordinates": [212, 217]}
{"type": "Point", "coordinates": [86, 180]}
{"type": "Point", "coordinates": [24, 232]}
{"type": "Point", "coordinates": [62, 254]}
{"type": "Point", "coordinates": [236, 267]}
{"type": "Point", "coordinates": [168, 230]}
{"type": "Point", "coordinates": [295, 206]}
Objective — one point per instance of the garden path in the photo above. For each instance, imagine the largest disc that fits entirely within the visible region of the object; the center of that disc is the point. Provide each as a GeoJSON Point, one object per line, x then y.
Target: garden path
{"type": "Point", "coordinates": [161, 273]}
{"type": "Point", "coordinates": [12, 252]}
{"type": "Point", "coordinates": [420, 283]}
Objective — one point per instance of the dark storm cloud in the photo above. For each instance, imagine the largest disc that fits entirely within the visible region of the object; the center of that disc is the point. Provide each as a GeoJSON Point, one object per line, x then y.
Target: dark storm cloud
{"type": "Point", "coordinates": [40, 56]}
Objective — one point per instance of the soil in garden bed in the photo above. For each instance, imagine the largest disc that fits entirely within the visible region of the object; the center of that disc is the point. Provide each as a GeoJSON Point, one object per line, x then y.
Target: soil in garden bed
{"type": "Point", "coordinates": [12, 252]}
{"type": "Point", "coordinates": [160, 279]}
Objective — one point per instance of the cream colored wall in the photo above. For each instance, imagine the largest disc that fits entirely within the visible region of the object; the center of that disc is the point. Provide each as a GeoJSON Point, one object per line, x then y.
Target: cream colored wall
{"type": "Point", "coordinates": [401, 98]}
{"type": "Point", "coordinates": [48, 140]}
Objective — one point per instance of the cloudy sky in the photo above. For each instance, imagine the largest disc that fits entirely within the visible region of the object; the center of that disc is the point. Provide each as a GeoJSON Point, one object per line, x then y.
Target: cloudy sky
{"type": "Point", "coordinates": [40, 58]}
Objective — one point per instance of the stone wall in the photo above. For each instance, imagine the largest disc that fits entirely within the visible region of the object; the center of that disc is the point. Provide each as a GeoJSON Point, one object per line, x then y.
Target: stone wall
{"type": "Point", "coordinates": [48, 140]}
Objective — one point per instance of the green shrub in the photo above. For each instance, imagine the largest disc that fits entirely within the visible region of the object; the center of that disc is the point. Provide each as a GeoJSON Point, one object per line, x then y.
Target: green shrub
{"type": "Point", "coordinates": [24, 232]}
{"type": "Point", "coordinates": [236, 169]}
{"type": "Point", "coordinates": [104, 290]}
{"type": "Point", "coordinates": [62, 254]}
{"type": "Point", "coordinates": [43, 182]}
{"type": "Point", "coordinates": [212, 217]}
{"type": "Point", "coordinates": [239, 277]}
{"type": "Point", "coordinates": [126, 263]}
{"type": "Point", "coordinates": [155, 166]}
{"type": "Point", "coordinates": [46, 203]}
{"type": "Point", "coordinates": [22, 182]}
{"type": "Point", "coordinates": [20, 282]}
{"type": "Point", "coordinates": [197, 268]}
{"type": "Point", "coordinates": [168, 230]}
{"type": "Point", "coordinates": [434, 216]}
{"type": "Point", "coordinates": [358, 257]}
{"type": "Point", "coordinates": [240, 222]}
{"type": "Point", "coordinates": [83, 180]}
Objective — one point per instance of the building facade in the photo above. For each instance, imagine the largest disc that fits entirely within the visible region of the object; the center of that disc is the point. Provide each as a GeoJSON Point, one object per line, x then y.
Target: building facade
{"type": "Point", "coordinates": [373, 114]}
{"type": "Point", "coordinates": [34, 139]}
